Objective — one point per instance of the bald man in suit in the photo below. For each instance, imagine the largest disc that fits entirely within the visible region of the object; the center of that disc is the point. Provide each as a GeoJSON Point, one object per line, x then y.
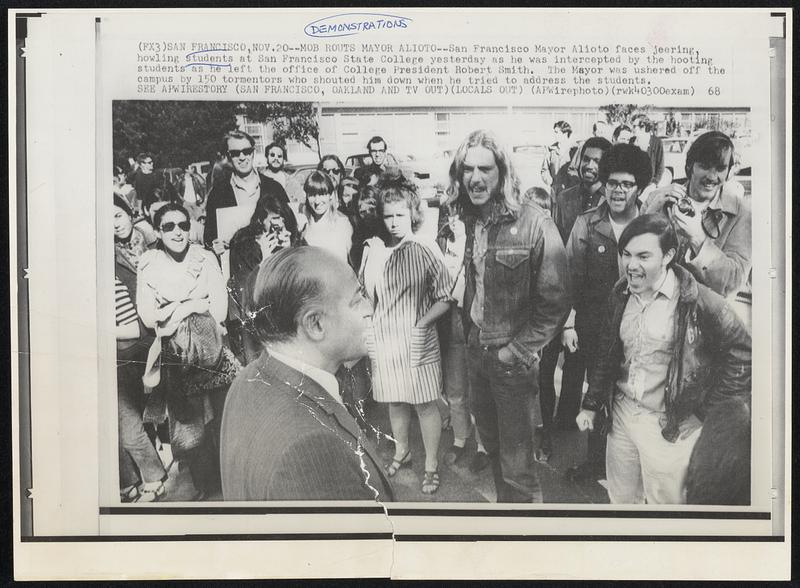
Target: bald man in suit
{"type": "Point", "coordinates": [286, 434]}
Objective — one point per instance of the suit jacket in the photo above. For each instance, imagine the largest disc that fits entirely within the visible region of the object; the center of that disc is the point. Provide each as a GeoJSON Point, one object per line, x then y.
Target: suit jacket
{"type": "Point", "coordinates": [222, 196]}
{"type": "Point", "coordinates": [285, 438]}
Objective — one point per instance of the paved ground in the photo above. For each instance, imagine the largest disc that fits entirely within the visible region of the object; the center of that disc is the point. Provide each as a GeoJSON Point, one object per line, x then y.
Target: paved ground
{"type": "Point", "coordinates": [458, 483]}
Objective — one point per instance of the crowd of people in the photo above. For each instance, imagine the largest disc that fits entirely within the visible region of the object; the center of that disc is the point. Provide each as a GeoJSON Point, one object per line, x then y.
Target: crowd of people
{"type": "Point", "coordinates": [258, 338]}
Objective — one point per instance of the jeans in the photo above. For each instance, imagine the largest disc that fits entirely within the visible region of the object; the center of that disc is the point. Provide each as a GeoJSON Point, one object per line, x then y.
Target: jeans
{"type": "Point", "coordinates": [138, 458]}
{"type": "Point", "coordinates": [572, 374]}
{"type": "Point", "coordinates": [454, 367]}
{"type": "Point", "coordinates": [640, 463]}
{"type": "Point", "coordinates": [501, 397]}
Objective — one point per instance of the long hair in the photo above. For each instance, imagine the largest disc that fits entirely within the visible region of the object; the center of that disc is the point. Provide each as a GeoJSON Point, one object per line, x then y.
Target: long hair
{"type": "Point", "coordinates": [267, 205]}
{"type": "Point", "coordinates": [508, 182]}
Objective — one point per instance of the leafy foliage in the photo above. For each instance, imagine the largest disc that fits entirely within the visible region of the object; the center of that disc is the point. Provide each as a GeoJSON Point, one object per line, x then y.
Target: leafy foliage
{"type": "Point", "coordinates": [622, 113]}
{"type": "Point", "coordinates": [177, 133]}
{"type": "Point", "coordinates": [295, 121]}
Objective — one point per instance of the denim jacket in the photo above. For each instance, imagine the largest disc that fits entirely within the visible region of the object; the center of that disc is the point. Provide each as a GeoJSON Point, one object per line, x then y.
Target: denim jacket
{"type": "Point", "coordinates": [711, 361]}
{"type": "Point", "coordinates": [526, 294]}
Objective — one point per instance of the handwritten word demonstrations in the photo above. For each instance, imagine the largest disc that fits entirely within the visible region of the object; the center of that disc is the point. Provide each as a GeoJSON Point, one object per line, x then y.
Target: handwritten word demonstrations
{"type": "Point", "coordinates": [328, 69]}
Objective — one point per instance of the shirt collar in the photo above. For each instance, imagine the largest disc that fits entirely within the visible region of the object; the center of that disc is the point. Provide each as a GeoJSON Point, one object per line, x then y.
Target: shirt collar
{"type": "Point", "coordinates": [248, 183]}
{"type": "Point", "coordinates": [668, 284]}
{"type": "Point", "coordinates": [668, 287]}
{"type": "Point", "coordinates": [325, 379]}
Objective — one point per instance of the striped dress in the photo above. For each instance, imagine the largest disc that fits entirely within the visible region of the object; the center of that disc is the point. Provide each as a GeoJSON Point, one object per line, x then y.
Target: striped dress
{"type": "Point", "coordinates": [406, 360]}
{"type": "Point", "coordinates": [125, 311]}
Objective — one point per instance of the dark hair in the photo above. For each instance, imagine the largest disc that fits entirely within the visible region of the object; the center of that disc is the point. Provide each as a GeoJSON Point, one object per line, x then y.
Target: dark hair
{"type": "Point", "coordinates": [627, 159]}
{"type": "Point", "coordinates": [318, 182]}
{"type": "Point", "coordinates": [618, 131]}
{"type": "Point", "coordinates": [120, 201]}
{"type": "Point", "coordinates": [335, 159]}
{"type": "Point", "coordinates": [595, 143]}
{"type": "Point", "coordinates": [268, 204]}
{"type": "Point", "coordinates": [657, 224]}
{"type": "Point", "coordinates": [642, 120]}
{"type": "Point", "coordinates": [400, 190]}
{"type": "Point", "coordinates": [708, 150]}
{"type": "Point", "coordinates": [377, 139]}
{"type": "Point", "coordinates": [238, 135]}
{"type": "Point", "coordinates": [274, 144]}
{"type": "Point", "coordinates": [283, 289]}
{"type": "Point", "coordinates": [168, 207]}
{"type": "Point", "coordinates": [364, 194]}
{"type": "Point", "coordinates": [144, 155]}
{"type": "Point", "coordinates": [564, 127]}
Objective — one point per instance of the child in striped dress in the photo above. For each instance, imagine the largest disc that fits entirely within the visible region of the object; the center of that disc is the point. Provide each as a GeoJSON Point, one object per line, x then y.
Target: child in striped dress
{"type": "Point", "coordinates": [409, 285]}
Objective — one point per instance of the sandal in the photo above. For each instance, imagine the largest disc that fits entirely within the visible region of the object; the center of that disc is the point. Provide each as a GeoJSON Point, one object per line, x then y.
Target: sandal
{"type": "Point", "coordinates": [430, 482]}
{"type": "Point", "coordinates": [153, 495]}
{"type": "Point", "coordinates": [129, 494]}
{"type": "Point", "coordinates": [397, 464]}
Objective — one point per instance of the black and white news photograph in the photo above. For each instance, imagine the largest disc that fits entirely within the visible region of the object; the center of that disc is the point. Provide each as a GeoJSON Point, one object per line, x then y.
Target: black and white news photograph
{"type": "Point", "coordinates": [351, 282]}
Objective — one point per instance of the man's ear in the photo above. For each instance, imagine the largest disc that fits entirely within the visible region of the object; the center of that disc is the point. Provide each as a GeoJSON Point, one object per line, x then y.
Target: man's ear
{"type": "Point", "coordinates": [311, 324]}
{"type": "Point", "coordinates": [668, 257]}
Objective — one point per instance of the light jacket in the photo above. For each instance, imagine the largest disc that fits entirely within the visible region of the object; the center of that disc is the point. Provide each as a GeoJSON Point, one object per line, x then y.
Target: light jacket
{"type": "Point", "coordinates": [722, 264]}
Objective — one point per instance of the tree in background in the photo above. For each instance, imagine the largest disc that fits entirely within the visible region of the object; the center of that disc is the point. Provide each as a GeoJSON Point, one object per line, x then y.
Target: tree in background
{"type": "Point", "coordinates": [290, 121]}
{"type": "Point", "coordinates": [618, 114]}
{"type": "Point", "coordinates": [176, 132]}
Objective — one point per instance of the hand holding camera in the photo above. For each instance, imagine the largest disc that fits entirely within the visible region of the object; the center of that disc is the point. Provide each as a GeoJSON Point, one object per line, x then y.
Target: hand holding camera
{"type": "Point", "coordinates": [688, 223]}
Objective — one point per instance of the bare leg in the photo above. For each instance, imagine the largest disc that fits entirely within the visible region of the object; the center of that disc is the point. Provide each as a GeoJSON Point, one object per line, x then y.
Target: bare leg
{"type": "Point", "coordinates": [400, 418]}
{"type": "Point", "coordinates": [430, 423]}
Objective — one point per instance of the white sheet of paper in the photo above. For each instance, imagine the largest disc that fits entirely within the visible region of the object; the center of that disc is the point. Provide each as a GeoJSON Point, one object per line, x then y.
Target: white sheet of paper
{"type": "Point", "coordinates": [231, 219]}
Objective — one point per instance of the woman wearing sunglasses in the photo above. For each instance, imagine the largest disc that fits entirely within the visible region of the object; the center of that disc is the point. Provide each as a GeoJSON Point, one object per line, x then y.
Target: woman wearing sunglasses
{"type": "Point", "coordinates": [181, 294]}
{"type": "Point", "coordinates": [141, 473]}
{"type": "Point", "coordinates": [324, 225]}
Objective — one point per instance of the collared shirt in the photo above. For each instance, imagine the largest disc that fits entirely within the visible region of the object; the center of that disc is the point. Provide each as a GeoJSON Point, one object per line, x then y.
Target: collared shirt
{"type": "Point", "coordinates": [325, 379]}
{"type": "Point", "coordinates": [247, 189]}
{"type": "Point", "coordinates": [480, 249]}
{"type": "Point", "coordinates": [648, 340]}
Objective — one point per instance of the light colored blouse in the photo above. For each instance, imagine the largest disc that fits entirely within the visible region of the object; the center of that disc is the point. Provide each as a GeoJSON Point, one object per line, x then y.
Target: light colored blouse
{"type": "Point", "coordinates": [163, 280]}
{"type": "Point", "coordinates": [333, 232]}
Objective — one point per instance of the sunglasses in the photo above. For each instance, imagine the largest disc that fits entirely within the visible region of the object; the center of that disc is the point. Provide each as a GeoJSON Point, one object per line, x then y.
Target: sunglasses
{"type": "Point", "coordinates": [614, 184]}
{"type": "Point", "coordinates": [170, 226]}
{"type": "Point", "coordinates": [335, 170]}
{"type": "Point", "coordinates": [234, 153]}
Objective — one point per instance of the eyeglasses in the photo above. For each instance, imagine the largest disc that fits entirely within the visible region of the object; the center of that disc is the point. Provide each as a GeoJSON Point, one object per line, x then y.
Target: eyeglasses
{"type": "Point", "coordinates": [335, 170]}
{"type": "Point", "coordinates": [170, 226]}
{"type": "Point", "coordinates": [614, 184]}
{"type": "Point", "coordinates": [234, 153]}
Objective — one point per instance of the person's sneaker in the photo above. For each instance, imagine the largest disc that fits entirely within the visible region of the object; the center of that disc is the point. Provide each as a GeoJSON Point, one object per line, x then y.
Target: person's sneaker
{"type": "Point", "coordinates": [453, 455]}
{"type": "Point", "coordinates": [543, 453]}
{"type": "Point", "coordinates": [479, 462]}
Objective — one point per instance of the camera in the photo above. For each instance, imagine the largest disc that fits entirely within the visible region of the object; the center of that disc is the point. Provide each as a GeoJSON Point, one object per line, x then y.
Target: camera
{"type": "Point", "coordinates": [684, 206]}
{"type": "Point", "coordinates": [276, 226]}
